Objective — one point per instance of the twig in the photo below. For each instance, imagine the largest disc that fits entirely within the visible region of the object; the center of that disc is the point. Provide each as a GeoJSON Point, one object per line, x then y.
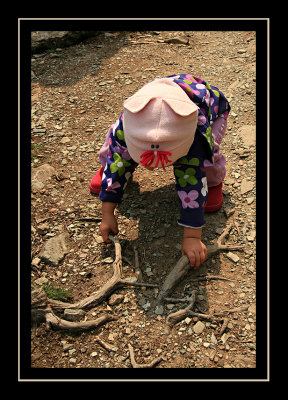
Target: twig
{"type": "Point", "coordinates": [136, 365]}
{"type": "Point", "coordinates": [105, 345]}
{"type": "Point", "coordinates": [182, 267]}
{"type": "Point", "coordinates": [176, 300]}
{"type": "Point", "coordinates": [224, 326]}
{"type": "Point", "coordinates": [178, 316]}
{"type": "Point", "coordinates": [210, 277]}
{"type": "Point", "coordinates": [42, 307]}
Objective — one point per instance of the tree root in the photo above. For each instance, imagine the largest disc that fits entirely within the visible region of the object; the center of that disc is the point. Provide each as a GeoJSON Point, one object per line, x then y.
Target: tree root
{"type": "Point", "coordinates": [58, 323]}
{"type": "Point", "coordinates": [42, 307]}
{"type": "Point", "coordinates": [182, 267]}
{"type": "Point", "coordinates": [136, 365]}
{"type": "Point", "coordinates": [178, 316]}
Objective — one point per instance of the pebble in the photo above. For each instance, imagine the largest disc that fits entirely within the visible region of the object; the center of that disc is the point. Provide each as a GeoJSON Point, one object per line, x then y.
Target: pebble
{"type": "Point", "coordinates": [246, 186]}
{"type": "Point", "coordinates": [250, 200]}
{"type": "Point", "coordinates": [108, 260]}
{"type": "Point", "coordinates": [233, 257]}
{"type": "Point", "coordinates": [199, 327]}
{"type": "Point", "coordinates": [159, 310]}
{"type": "Point", "coordinates": [115, 299]}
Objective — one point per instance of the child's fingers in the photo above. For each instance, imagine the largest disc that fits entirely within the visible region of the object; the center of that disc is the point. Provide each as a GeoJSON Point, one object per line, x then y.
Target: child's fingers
{"type": "Point", "coordinates": [194, 259]}
{"type": "Point", "coordinates": [105, 233]}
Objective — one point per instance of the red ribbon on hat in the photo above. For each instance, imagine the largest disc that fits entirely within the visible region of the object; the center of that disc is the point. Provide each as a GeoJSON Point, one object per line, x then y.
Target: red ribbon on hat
{"type": "Point", "coordinates": [149, 157]}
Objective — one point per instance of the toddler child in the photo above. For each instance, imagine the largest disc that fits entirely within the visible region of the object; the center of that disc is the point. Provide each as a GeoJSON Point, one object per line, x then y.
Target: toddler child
{"type": "Point", "coordinates": [178, 120]}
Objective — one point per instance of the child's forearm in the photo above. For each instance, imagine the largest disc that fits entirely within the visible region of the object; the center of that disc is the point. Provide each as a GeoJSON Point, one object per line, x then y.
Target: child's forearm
{"type": "Point", "coordinates": [108, 208]}
{"type": "Point", "coordinates": [192, 233]}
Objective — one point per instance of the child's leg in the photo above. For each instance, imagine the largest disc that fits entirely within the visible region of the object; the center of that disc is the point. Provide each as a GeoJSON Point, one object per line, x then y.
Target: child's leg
{"type": "Point", "coordinates": [216, 171]}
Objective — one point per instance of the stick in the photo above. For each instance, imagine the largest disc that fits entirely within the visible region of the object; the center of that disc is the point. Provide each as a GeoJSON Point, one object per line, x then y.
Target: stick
{"type": "Point", "coordinates": [182, 267]}
{"type": "Point", "coordinates": [42, 307]}
{"type": "Point", "coordinates": [136, 365]}
{"type": "Point", "coordinates": [105, 291]}
{"type": "Point", "coordinates": [105, 345]}
{"type": "Point", "coordinates": [58, 323]}
{"type": "Point", "coordinates": [178, 316]}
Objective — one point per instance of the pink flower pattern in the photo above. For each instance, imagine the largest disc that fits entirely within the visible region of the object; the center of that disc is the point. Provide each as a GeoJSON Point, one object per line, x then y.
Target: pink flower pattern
{"type": "Point", "coordinates": [111, 186]}
{"type": "Point", "coordinates": [188, 199]}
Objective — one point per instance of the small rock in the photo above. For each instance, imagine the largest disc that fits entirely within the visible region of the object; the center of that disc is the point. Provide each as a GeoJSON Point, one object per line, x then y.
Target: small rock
{"type": "Point", "coordinates": [247, 134]}
{"type": "Point", "coordinates": [252, 236]}
{"type": "Point", "coordinates": [233, 257]}
{"type": "Point", "coordinates": [115, 299]}
{"type": "Point", "coordinates": [199, 327]}
{"type": "Point", "coordinates": [224, 338]}
{"type": "Point", "coordinates": [36, 261]}
{"type": "Point", "coordinates": [43, 228]}
{"type": "Point", "coordinates": [159, 310]}
{"type": "Point", "coordinates": [252, 308]}
{"type": "Point", "coordinates": [213, 339]}
{"type": "Point", "coordinates": [65, 139]}
{"type": "Point", "coordinates": [131, 279]}
{"type": "Point", "coordinates": [250, 200]}
{"type": "Point", "coordinates": [108, 260]}
{"type": "Point", "coordinates": [40, 175]}
{"type": "Point", "coordinates": [55, 249]}
{"type": "Point", "coordinates": [246, 186]}
{"type": "Point", "coordinates": [41, 281]}
{"type": "Point", "coordinates": [66, 346]}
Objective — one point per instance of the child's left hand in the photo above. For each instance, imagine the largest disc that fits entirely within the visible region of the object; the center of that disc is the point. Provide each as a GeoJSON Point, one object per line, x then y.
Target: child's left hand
{"type": "Point", "coordinates": [195, 250]}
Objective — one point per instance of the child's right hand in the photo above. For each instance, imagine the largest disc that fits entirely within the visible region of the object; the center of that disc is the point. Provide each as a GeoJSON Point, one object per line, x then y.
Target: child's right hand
{"type": "Point", "coordinates": [109, 222]}
{"type": "Point", "coordinates": [108, 225]}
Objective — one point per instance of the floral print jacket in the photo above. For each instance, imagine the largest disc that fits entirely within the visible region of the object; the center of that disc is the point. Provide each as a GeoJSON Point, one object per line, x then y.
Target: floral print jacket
{"type": "Point", "coordinates": [190, 176]}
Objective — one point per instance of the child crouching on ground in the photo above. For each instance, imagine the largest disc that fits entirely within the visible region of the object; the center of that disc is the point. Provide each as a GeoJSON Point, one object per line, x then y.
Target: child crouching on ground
{"type": "Point", "coordinates": [178, 120]}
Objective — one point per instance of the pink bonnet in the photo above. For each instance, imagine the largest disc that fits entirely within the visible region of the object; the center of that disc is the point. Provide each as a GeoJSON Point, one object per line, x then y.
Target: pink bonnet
{"type": "Point", "coordinates": [159, 123]}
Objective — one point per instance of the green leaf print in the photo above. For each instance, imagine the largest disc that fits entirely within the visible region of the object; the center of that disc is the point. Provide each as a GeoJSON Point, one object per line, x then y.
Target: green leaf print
{"type": "Point", "coordinates": [186, 177]}
{"type": "Point", "coordinates": [193, 161]}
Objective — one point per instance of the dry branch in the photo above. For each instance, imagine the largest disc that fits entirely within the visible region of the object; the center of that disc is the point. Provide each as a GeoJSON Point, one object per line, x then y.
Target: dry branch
{"type": "Point", "coordinates": [115, 282]}
{"type": "Point", "coordinates": [58, 323]}
{"type": "Point", "coordinates": [178, 316]}
{"type": "Point", "coordinates": [41, 311]}
{"type": "Point", "coordinates": [42, 307]}
{"type": "Point", "coordinates": [182, 267]}
{"type": "Point", "coordinates": [136, 365]}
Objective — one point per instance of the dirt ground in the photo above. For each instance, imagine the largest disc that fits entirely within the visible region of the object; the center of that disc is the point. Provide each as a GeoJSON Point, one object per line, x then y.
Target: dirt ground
{"type": "Point", "coordinates": [77, 93]}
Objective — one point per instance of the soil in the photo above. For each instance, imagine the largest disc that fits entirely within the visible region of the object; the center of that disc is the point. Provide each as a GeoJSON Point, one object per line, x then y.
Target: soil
{"type": "Point", "coordinates": [77, 93]}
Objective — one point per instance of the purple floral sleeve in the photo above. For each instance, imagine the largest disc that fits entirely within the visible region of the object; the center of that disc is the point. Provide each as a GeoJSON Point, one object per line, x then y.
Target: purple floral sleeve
{"type": "Point", "coordinates": [119, 166]}
{"type": "Point", "coordinates": [191, 185]}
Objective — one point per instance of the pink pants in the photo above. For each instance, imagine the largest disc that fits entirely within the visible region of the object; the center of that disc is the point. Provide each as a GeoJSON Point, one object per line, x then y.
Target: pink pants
{"type": "Point", "coordinates": [215, 171]}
